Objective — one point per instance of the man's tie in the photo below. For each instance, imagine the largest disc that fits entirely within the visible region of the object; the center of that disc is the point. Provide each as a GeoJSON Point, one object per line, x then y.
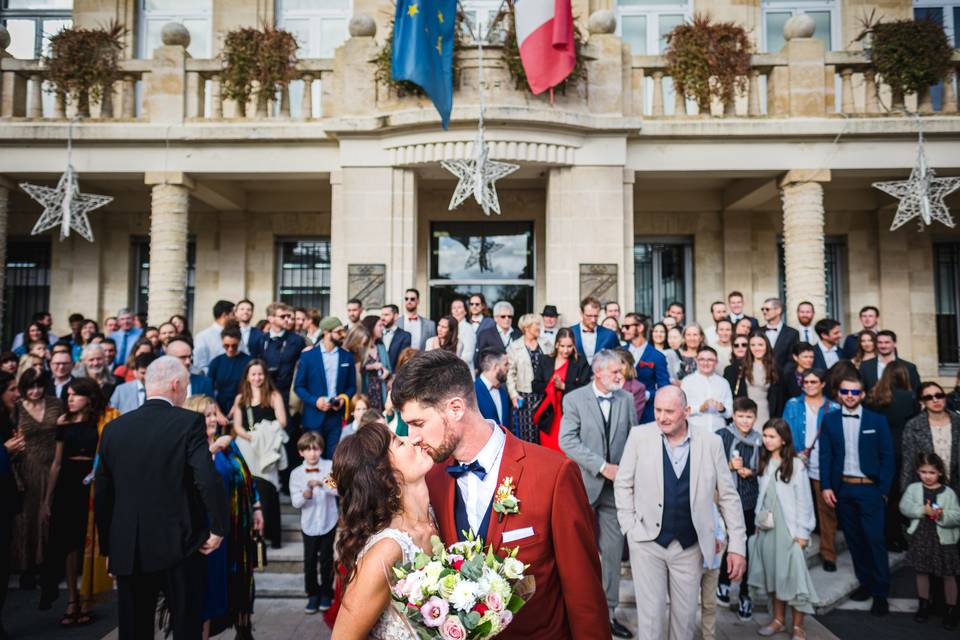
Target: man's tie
{"type": "Point", "coordinates": [851, 415]}
{"type": "Point", "coordinates": [141, 396]}
{"type": "Point", "coordinates": [457, 470]}
{"type": "Point", "coordinates": [122, 356]}
{"type": "Point", "coordinates": [806, 335]}
{"type": "Point", "coordinates": [312, 470]}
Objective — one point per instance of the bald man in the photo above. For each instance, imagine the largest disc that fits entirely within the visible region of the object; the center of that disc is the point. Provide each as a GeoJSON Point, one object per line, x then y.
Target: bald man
{"type": "Point", "coordinates": [670, 535]}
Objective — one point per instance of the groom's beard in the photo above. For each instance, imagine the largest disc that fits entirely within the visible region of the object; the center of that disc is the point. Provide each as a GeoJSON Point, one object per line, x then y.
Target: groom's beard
{"type": "Point", "coordinates": [446, 448]}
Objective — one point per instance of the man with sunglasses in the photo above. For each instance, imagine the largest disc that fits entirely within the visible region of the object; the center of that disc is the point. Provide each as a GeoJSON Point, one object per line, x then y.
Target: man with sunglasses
{"type": "Point", "coordinates": [207, 343]}
{"type": "Point", "coordinates": [226, 370]}
{"type": "Point", "coordinates": [651, 364]}
{"type": "Point", "coordinates": [477, 308]}
{"type": "Point", "coordinates": [420, 329]}
{"type": "Point", "coordinates": [500, 335]}
{"type": "Point", "coordinates": [588, 335]}
{"type": "Point", "coordinates": [856, 473]}
{"type": "Point", "coordinates": [280, 348]}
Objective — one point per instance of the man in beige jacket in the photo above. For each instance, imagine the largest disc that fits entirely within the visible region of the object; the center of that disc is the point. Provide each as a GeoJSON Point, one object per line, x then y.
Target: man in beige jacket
{"type": "Point", "coordinates": [664, 490]}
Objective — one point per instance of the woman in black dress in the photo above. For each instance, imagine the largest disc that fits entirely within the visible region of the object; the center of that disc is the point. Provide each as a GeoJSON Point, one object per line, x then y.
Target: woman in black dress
{"type": "Point", "coordinates": [67, 499]}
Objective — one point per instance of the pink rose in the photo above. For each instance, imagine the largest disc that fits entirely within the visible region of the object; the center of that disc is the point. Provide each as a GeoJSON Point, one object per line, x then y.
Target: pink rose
{"type": "Point", "coordinates": [494, 602]}
{"type": "Point", "coordinates": [452, 629]}
{"type": "Point", "coordinates": [434, 611]}
{"type": "Point", "coordinates": [400, 589]}
{"type": "Point", "coordinates": [506, 617]}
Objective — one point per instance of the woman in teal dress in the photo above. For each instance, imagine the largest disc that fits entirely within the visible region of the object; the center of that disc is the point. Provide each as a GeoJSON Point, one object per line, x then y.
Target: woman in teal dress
{"type": "Point", "coordinates": [785, 520]}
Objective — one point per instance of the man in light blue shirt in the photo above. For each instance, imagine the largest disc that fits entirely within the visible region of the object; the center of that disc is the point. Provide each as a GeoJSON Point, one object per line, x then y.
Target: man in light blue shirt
{"type": "Point", "coordinates": [125, 336]}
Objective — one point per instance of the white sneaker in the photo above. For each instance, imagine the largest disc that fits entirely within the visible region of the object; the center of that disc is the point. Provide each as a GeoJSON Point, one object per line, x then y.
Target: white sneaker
{"type": "Point", "coordinates": [723, 594]}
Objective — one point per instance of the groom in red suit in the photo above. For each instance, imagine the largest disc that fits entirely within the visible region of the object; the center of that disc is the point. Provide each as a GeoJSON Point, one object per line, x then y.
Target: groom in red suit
{"type": "Point", "coordinates": [553, 526]}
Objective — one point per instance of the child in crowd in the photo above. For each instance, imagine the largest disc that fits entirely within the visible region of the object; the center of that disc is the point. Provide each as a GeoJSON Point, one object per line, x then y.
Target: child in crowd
{"type": "Point", "coordinates": [311, 492]}
{"type": "Point", "coordinates": [934, 530]}
{"type": "Point", "coordinates": [784, 522]}
{"type": "Point", "coordinates": [708, 582]}
{"type": "Point", "coordinates": [360, 404]}
{"type": "Point", "coordinates": [742, 444]}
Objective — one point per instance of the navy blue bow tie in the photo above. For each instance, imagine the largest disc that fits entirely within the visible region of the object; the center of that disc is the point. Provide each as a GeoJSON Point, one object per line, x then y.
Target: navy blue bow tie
{"type": "Point", "coordinates": [457, 470]}
{"type": "Point", "coordinates": [851, 415]}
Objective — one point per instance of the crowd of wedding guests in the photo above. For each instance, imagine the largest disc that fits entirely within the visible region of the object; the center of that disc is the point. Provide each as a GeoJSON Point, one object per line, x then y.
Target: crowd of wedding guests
{"type": "Point", "coordinates": [840, 425]}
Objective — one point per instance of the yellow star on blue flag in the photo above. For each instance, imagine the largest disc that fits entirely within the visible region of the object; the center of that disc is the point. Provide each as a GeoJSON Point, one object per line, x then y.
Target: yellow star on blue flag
{"type": "Point", "coordinates": [423, 49]}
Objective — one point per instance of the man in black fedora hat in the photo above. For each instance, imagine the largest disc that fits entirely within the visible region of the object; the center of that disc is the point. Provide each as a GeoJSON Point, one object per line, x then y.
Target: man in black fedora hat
{"type": "Point", "coordinates": [551, 323]}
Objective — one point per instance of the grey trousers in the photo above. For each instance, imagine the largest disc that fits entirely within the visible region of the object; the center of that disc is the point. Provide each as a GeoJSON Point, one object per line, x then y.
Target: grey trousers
{"type": "Point", "coordinates": [655, 570]}
{"type": "Point", "coordinates": [611, 545]}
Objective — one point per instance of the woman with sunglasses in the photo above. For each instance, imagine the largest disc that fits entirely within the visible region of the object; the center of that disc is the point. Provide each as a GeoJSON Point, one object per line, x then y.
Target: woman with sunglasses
{"type": "Point", "coordinates": [37, 422]}
{"type": "Point", "coordinates": [738, 352]}
{"type": "Point", "coordinates": [804, 414]}
{"type": "Point", "coordinates": [933, 429]}
{"type": "Point", "coordinates": [758, 378]}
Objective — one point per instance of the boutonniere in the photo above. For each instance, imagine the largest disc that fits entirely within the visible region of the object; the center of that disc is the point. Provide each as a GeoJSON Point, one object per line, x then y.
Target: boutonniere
{"type": "Point", "coordinates": [504, 501]}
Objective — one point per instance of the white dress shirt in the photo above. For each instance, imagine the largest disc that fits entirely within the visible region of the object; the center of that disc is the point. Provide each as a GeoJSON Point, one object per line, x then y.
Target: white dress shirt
{"type": "Point", "coordinates": [504, 336]}
{"type": "Point", "coordinates": [245, 339]}
{"type": "Point", "coordinates": [700, 388]}
{"type": "Point", "coordinates": [388, 333]}
{"type": "Point", "coordinates": [773, 332]}
{"type": "Point", "coordinates": [414, 327]}
{"type": "Point", "coordinates": [831, 356]}
{"type": "Point", "coordinates": [318, 513]}
{"type": "Point", "coordinates": [477, 493]}
{"type": "Point", "coordinates": [495, 394]}
{"type": "Point", "coordinates": [589, 341]}
{"type": "Point", "coordinates": [851, 442]}
{"type": "Point", "coordinates": [808, 335]}
{"type": "Point", "coordinates": [604, 406]}
{"type": "Point", "coordinates": [207, 345]}
{"type": "Point", "coordinates": [881, 365]}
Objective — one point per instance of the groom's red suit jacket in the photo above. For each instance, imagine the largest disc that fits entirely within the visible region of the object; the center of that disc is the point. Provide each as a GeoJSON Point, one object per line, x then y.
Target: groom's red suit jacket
{"type": "Point", "coordinates": [562, 552]}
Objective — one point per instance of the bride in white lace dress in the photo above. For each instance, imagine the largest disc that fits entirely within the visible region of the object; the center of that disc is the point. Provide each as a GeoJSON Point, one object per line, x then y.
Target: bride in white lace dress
{"type": "Point", "coordinates": [385, 517]}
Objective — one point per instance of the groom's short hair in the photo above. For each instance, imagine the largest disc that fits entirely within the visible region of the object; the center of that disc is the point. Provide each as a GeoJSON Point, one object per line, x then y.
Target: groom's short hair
{"type": "Point", "coordinates": [431, 377]}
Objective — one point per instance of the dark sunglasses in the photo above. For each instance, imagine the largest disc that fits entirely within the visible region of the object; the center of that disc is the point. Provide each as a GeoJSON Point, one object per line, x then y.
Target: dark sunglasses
{"type": "Point", "coordinates": [504, 316]}
{"type": "Point", "coordinates": [850, 392]}
{"type": "Point", "coordinates": [940, 395]}
{"type": "Point", "coordinates": [814, 381]}
{"type": "Point", "coordinates": [410, 299]}
{"type": "Point", "coordinates": [740, 344]}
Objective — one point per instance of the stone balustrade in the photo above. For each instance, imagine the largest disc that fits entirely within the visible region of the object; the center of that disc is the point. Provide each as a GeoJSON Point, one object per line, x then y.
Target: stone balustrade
{"type": "Point", "coordinates": [801, 80]}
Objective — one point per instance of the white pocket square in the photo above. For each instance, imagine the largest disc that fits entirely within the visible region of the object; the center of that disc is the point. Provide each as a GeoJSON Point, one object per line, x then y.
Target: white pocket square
{"type": "Point", "coordinates": [866, 431]}
{"type": "Point", "coordinates": [517, 534]}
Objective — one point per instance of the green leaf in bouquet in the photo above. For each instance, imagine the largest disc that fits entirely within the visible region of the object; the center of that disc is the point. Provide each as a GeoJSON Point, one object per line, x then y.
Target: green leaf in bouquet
{"type": "Point", "coordinates": [421, 561]}
{"type": "Point", "coordinates": [472, 569]}
{"type": "Point", "coordinates": [470, 620]}
{"type": "Point", "coordinates": [436, 546]}
{"type": "Point", "coordinates": [483, 630]}
{"type": "Point", "coordinates": [523, 590]}
{"type": "Point", "coordinates": [516, 603]}
{"type": "Point", "coordinates": [447, 572]}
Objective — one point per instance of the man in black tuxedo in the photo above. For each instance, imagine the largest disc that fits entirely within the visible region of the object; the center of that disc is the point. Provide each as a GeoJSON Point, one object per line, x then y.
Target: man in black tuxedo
{"type": "Point", "coordinates": [735, 305]}
{"type": "Point", "coordinates": [872, 369]}
{"type": "Point", "coordinates": [395, 339]}
{"type": "Point", "coordinates": [496, 338]}
{"type": "Point", "coordinates": [778, 333]}
{"type": "Point", "coordinates": [160, 506]}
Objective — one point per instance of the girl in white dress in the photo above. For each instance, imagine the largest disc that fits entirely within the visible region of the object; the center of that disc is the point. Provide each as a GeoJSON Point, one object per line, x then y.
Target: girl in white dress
{"type": "Point", "coordinates": [385, 516]}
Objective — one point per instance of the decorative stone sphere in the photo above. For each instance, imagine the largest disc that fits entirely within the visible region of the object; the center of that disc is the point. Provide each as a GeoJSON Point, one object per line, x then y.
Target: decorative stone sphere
{"type": "Point", "coordinates": [799, 26]}
{"type": "Point", "coordinates": [4, 38]}
{"type": "Point", "coordinates": [362, 26]}
{"type": "Point", "coordinates": [175, 34]}
{"type": "Point", "coordinates": [602, 21]}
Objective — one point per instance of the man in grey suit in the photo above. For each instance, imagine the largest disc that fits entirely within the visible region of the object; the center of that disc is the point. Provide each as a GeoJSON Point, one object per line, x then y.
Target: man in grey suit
{"type": "Point", "coordinates": [420, 329]}
{"type": "Point", "coordinates": [131, 395]}
{"type": "Point", "coordinates": [593, 431]}
{"type": "Point", "coordinates": [664, 489]}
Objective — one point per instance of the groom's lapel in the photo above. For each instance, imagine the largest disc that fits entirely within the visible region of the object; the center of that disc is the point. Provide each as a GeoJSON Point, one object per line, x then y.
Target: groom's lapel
{"type": "Point", "coordinates": [511, 466]}
{"type": "Point", "coordinates": [445, 503]}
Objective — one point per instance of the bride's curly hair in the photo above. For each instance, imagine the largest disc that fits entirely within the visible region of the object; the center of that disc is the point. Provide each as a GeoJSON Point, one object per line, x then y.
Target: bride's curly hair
{"type": "Point", "coordinates": [369, 490]}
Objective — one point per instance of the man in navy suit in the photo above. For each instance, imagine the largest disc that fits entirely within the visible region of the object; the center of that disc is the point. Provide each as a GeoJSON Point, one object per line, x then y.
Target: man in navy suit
{"type": "Point", "coordinates": [478, 313]}
{"type": "Point", "coordinates": [325, 373]}
{"type": "Point", "coordinates": [778, 333]}
{"type": "Point", "coordinates": [735, 305]}
{"type": "Point", "coordinates": [395, 339]}
{"type": "Point", "coordinates": [588, 335]}
{"type": "Point", "coordinates": [872, 369]}
{"type": "Point", "coordinates": [826, 353]}
{"type": "Point", "coordinates": [869, 319]}
{"type": "Point", "coordinates": [251, 338]}
{"type": "Point", "coordinates": [856, 473]}
{"type": "Point", "coordinates": [492, 397]}
{"type": "Point", "coordinates": [280, 347]}
{"type": "Point", "coordinates": [651, 364]}
{"type": "Point", "coordinates": [500, 335]}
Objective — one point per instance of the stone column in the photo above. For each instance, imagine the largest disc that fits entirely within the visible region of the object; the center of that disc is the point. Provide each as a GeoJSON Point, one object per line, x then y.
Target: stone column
{"type": "Point", "coordinates": [169, 212]}
{"type": "Point", "coordinates": [803, 223]}
{"type": "Point", "coordinates": [373, 220]}
{"type": "Point", "coordinates": [585, 226]}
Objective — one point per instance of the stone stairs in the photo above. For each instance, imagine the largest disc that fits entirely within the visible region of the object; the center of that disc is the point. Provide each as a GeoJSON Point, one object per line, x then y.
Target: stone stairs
{"type": "Point", "coordinates": [283, 577]}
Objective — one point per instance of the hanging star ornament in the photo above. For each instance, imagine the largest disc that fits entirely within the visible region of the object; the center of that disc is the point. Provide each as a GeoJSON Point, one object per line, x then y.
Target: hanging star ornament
{"type": "Point", "coordinates": [478, 176]}
{"type": "Point", "coordinates": [65, 206]}
{"type": "Point", "coordinates": [921, 195]}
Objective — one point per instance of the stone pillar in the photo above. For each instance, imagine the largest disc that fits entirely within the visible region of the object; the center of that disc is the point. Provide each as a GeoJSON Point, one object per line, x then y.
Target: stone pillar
{"type": "Point", "coordinates": [169, 212]}
{"type": "Point", "coordinates": [585, 226]}
{"type": "Point", "coordinates": [626, 300]}
{"type": "Point", "coordinates": [354, 77]}
{"type": "Point", "coordinates": [165, 92]}
{"type": "Point", "coordinates": [373, 220]}
{"type": "Point", "coordinates": [803, 223]}
{"type": "Point", "coordinates": [806, 69]}
{"type": "Point", "coordinates": [605, 70]}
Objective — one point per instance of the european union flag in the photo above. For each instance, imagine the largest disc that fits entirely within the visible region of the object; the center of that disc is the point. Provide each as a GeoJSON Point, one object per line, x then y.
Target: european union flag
{"type": "Point", "coordinates": [423, 49]}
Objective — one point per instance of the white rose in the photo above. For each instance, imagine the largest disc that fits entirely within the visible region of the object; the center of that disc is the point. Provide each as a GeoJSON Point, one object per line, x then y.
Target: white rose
{"type": "Point", "coordinates": [512, 569]}
{"type": "Point", "coordinates": [464, 595]}
{"type": "Point", "coordinates": [414, 587]}
{"type": "Point", "coordinates": [432, 574]}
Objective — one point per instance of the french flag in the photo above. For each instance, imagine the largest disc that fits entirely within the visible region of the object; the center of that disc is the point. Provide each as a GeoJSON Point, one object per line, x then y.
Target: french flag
{"type": "Point", "coordinates": [545, 39]}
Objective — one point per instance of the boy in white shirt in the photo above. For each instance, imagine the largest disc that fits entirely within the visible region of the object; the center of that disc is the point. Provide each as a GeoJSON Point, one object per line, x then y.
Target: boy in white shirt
{"type": "Point", "coordinates": [311, 492]}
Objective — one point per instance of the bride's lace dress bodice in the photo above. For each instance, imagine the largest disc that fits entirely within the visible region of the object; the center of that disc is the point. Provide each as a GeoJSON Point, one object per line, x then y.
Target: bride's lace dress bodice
{"type": "Point", "coordinates": [391, 626]}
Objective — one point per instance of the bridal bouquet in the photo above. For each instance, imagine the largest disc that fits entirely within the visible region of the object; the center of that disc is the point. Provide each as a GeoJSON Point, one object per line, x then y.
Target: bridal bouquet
{"type": "Point", "coordinates": [461, 592]}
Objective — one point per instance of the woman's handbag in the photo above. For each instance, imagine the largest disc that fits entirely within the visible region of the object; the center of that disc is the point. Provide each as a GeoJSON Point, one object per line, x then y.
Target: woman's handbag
{"type": "Point", "coordinates": [260, 557]}
{"type": "Point", "coordinates": [544, 415]}
{"type": "Point", "coordinates": [765, 520]}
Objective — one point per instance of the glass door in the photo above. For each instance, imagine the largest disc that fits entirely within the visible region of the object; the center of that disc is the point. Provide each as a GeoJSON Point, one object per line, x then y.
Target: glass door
{"type": "Point", "coordinates": [663, 273]}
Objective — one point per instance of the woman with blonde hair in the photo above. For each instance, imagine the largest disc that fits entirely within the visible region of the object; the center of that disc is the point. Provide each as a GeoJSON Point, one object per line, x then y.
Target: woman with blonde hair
{"type": "Point", "coordinates": [525, 357]}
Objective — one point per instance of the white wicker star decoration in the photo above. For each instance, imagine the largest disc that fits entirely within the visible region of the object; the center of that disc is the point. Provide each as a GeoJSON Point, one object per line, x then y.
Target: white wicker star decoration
{"type": "Point", "coordinates": [478, 176]}
{"type": "Point", "coordinates": [921, 195]}
{"type": "Point", "coordinates": [65, 206]}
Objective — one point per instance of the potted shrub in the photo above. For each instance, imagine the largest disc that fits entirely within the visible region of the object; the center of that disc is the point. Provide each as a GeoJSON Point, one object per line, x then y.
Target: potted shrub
{"type": "Point", "coordinates": [910, 55]}
{"type": "Point", "coordinates": [708, 60]}
{"type": "Point", "coordinates": [83, 63]}
{"type": "Point", "coordinates": [258, 63]}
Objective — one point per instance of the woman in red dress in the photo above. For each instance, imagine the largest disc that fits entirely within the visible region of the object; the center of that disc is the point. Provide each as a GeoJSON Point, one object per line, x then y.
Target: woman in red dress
{"type": "Point", "coordinates": [567, 371]}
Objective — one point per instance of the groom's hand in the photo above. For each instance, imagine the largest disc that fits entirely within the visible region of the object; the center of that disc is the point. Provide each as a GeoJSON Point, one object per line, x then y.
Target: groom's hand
{"type": "Point", "coordinates": [211, 544]}
{"type": "Point", "coordinates": [736, 566]}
